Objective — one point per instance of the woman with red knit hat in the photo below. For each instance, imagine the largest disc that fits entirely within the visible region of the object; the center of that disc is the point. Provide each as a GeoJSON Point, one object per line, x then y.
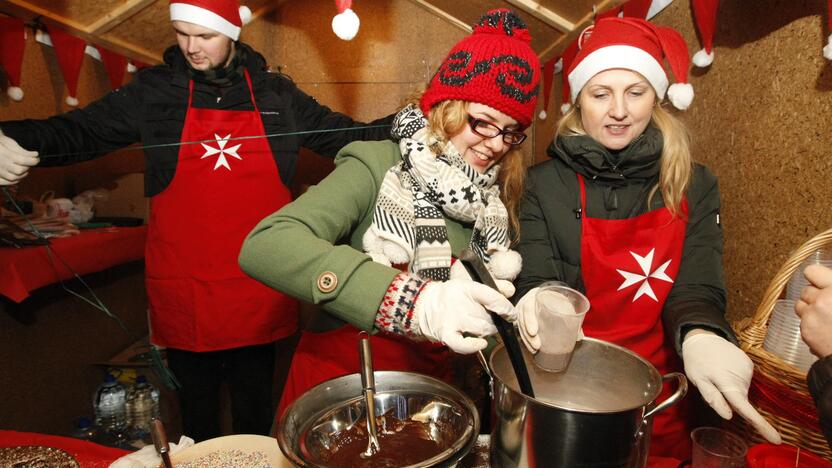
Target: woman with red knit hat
{"type": "Point", "coordinates": [622, 213]}
{"type": "Point", "coordinates": [374, 242]}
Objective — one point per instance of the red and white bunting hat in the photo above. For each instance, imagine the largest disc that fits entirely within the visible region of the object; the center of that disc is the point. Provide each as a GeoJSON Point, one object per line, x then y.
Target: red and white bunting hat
{"type": "Point", "coordinates": [827, 49]}
{"type": "Point", "coordinates": [637, 45]}
{"type": "Point", "coordinates": [69, 50]}
{"type": "Point", "coordinates": [704, 14]}
{"type": "Point", "coordinates": [115, 65]}
{"type": "Point", "coordinates": [12, 42]}
{"type": "Point", "coordinates": [226, 17]}
{"type": "Point", "coordinates": [345, 24]}
{"type": "Point", "coordinates": [550, 68]}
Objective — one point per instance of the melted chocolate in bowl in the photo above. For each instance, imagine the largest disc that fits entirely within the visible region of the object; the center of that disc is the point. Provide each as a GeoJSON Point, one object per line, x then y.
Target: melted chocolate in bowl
{"type": "Point", "coordinates": [402, 443]}
{"type": "Point", "coordinates": [422, 422]}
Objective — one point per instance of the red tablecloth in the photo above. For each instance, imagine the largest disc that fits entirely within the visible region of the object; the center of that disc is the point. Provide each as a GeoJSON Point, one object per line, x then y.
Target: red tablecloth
{"type": "Point", "coordinates": [26, 269]}
{"type": "Point", "coordinates": [87, 454]}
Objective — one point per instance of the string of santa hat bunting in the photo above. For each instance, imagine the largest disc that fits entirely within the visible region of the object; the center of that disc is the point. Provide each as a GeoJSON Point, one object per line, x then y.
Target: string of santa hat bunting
{"type": "Point", "coordinates": [704, 15]}
{"type": "Point", "coordinates": [69, 50]}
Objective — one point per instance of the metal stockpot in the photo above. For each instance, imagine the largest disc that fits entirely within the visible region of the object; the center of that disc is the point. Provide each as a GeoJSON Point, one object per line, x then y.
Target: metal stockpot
{"type": "Point", "coordinates": [598, 412]}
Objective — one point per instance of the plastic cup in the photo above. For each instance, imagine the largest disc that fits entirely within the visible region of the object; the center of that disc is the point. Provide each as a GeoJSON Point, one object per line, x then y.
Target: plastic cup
{"type": "Point", "coordinates": [717, 448]}
{"type": "Point", "coordinates": [560, 312]}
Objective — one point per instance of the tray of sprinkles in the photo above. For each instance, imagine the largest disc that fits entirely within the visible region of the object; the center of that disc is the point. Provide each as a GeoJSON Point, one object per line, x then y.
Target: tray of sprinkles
{"type": "Point", "coordinates": [238, 451]}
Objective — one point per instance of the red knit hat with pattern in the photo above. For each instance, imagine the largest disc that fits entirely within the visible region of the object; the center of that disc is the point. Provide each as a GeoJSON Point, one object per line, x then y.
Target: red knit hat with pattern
{"type": "Point", "coordinates": [495, 66]}
{"type": "Point", "coordinates": [226, 17]}
{"type": "Point", "coordinates": [637, 45]}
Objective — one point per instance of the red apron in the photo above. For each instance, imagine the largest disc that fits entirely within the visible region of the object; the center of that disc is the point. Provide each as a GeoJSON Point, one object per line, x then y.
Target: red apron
{"type": "Point", "coordinates": [199, 298]}
{"type": "Point", "coordinates": [628, 267]}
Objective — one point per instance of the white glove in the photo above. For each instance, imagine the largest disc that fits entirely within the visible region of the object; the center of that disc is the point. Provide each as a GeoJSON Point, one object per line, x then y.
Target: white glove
{"type": "Point", "coordinates": [14, 161]}
{"type": "Point", "coordinates": [527, 319]}
{"type": "Point", "coordinates": [444, 311]}
{"type": "Point", "coordinates": [722, 373]}
{"type": "Point", "coordinates": [458, 271]}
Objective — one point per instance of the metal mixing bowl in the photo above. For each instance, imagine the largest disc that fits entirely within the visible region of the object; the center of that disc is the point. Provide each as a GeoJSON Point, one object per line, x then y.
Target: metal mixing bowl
{"type": "Point", "coordinates": [306, 428]}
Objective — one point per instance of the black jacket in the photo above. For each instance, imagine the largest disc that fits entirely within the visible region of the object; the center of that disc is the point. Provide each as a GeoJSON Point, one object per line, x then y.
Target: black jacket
{"type": "Point", "coordinates": [820, 386]}
{"type": "Point", "coordinates": [617, 187]}
{"type": "Point", "coordinates": [151, 110]}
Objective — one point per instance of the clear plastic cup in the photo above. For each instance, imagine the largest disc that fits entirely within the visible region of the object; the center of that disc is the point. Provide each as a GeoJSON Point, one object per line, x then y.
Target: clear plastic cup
{"type": "Point", "coordinates": [560, 312]}
{"type": "Point", "coordinates": [717, 448]}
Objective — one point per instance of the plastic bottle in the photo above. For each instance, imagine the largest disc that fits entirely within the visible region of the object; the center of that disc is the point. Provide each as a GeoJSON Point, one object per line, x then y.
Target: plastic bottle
{"type": "Point", "coordinates": [84, 429]}
{"type": "Point", "coordinates": [108, 402]}
{"type": "Point", "coordinates": [142, 405]}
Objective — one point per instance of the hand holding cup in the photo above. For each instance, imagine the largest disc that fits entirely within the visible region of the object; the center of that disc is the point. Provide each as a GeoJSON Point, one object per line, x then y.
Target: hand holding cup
{"type": "Point", "coordinates": [560, 312]}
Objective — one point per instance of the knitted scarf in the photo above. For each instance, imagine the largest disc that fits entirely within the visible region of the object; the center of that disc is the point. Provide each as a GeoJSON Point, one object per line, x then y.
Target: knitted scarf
{"type": "Point", "coordinates": [416, 195]}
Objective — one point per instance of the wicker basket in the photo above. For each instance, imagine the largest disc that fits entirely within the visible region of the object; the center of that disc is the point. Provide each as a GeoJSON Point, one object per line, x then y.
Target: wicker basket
{"type": "Point", "coordinates": [779, 390]}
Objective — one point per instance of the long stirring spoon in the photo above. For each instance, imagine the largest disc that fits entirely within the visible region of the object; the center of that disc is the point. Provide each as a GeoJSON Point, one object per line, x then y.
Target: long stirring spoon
{"type": "Point", "coordinates": [368, 384]}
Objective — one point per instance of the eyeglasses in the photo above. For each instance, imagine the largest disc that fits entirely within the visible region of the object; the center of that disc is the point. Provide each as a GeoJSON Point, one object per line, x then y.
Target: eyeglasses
{"type": "Point", "coordinates": [489, 130]}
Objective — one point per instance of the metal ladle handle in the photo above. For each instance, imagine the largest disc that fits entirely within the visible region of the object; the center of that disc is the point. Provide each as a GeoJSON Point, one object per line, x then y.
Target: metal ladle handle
{"type": "Point", "coordinates": [368, 385]}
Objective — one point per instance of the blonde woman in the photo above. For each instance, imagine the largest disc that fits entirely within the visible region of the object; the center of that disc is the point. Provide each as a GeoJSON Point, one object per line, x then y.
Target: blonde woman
{"type": "Point", "coordinates": [622, 213]}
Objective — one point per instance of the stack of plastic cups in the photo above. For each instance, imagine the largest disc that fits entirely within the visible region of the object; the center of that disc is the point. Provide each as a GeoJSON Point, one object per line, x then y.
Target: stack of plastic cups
{"type": "Point", "coordinates": [783, 336]}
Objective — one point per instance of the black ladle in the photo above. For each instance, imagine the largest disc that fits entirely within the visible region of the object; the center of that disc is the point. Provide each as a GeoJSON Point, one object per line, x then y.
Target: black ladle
{"type": "Point", "coordinates": [480, 274]}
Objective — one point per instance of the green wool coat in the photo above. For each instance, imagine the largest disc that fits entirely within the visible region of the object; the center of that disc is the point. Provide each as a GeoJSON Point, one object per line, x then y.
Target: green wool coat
{"type": "Point", "coordinates": [321, 233]}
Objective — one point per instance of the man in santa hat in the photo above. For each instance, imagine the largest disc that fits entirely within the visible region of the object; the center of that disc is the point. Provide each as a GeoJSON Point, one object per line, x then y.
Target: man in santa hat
{"type": "Point", "coordinates": [214, 93]}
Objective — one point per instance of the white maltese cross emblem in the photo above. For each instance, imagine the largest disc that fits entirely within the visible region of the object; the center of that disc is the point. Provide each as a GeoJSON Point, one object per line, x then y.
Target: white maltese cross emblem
{"type": "Point", "coordinates": [221, 151]}
{"type": "Point", "coordinates": [646, 263]}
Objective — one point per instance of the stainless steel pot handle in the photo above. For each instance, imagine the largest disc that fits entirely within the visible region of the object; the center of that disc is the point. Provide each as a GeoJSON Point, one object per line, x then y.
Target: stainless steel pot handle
{"type": "Point", "coordinates": [680, 392]}
{"type": "Point", "coordinates": [484, 364]}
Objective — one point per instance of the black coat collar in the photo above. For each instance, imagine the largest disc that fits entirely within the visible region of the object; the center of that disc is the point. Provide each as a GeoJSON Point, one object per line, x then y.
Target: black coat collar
{"type": "Point", "coordinates": [637, 162]}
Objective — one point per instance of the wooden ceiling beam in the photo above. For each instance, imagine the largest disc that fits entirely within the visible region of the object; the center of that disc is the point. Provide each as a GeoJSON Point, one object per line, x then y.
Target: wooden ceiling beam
{"type": "Point", "coordinates": [444, 15]}
{"type": "Point", "coordinates": [557, 47]}
{"type": "Point", "coordinates": [118, 16]}
{"type": "Point", "coordinates": [26, 10]}
{"type": "Point", "coordinates": [544, 14]}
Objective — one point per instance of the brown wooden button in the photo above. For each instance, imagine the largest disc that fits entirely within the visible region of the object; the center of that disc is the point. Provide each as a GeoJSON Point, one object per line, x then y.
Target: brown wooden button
{"type": "Point", "coordinates": [327, 282]}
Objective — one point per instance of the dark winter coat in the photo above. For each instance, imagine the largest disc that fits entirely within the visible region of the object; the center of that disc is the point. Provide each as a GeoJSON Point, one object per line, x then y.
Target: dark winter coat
{"type": "Point", "coordinates": [617, 187]}
{"type": "Point", "coordinates": [151, 109]}
{"type": "Point", "coordinates": [820, 386]}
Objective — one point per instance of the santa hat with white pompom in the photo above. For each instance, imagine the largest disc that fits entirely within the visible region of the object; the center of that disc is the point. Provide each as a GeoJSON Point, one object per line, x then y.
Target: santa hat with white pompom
{"type": "Point", "coordinates": [704, 14]}
{"type": "Point", "coordinates": [69, 52]}
{"type": "Point", "coordinates": [345, 24]}
{"type": "Point", "coordinates": [637, 45]}
{"type": "Point", "coordinates": [12, 41]}
{"type": "Point", "coordinates": [827, 49]}
{"type": "Point", "coordinates": [226, 17]}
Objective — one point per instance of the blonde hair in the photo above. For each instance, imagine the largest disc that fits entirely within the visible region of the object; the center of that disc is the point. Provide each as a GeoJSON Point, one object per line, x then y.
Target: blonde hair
{"type": "Point", "coordinates": [675, 164]}
{"type": "Point", "coordinates": [448, 118]}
